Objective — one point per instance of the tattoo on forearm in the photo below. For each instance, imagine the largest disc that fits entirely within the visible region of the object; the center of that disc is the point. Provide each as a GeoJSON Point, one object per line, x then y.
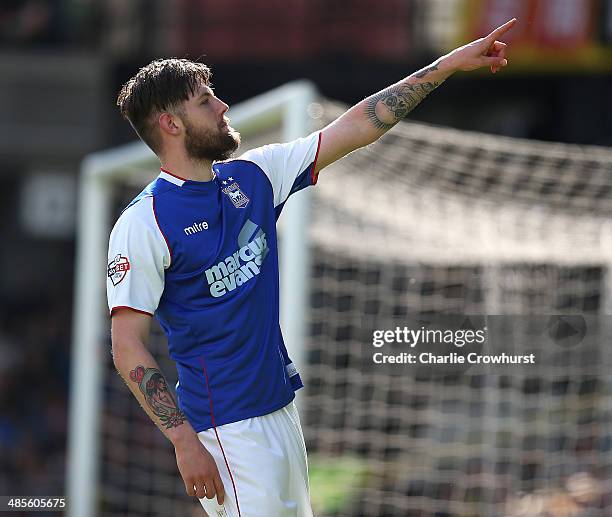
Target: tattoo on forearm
{"type": "Point", "coordinates": [398, 100]}
{"type": "Point", "coordinates": [422, 73]}
{"type": "Point", "coordinates": [154, 387]}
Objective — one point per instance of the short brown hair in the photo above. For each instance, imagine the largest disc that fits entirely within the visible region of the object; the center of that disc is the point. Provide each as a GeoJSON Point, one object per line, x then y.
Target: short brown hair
{"type": "Point", "coordinates": [159, 86]}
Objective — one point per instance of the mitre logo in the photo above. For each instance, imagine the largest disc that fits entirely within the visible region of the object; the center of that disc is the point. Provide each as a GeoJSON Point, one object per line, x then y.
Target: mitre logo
{"type": "Point", "coordinates": [236, 195]}
{"type": "Point", "coordinates": [118, 268]}
{"type": "Point", "coordinates": [195, 228]}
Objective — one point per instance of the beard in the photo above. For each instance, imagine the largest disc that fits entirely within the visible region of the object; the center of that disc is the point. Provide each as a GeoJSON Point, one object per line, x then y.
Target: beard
{"type": "Point", "coordinates": [208, 145]}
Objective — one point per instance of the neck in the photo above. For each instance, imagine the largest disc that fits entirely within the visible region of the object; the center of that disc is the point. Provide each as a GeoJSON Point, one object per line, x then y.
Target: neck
{"type": "Point", "coordinates": [188, 169]}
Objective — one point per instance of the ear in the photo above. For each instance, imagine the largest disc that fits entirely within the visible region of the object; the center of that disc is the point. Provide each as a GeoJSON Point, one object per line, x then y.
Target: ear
{"type": "Point", "coordinates": [169, 123]}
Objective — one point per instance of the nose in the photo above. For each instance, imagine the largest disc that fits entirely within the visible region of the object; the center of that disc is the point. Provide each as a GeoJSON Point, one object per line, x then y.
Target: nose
{"type": "Point", "coordinates": [224, 107]}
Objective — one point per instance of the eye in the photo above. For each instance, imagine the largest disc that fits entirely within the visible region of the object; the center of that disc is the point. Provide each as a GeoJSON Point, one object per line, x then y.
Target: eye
{"type": "Point", "coordinates": [205, 101]}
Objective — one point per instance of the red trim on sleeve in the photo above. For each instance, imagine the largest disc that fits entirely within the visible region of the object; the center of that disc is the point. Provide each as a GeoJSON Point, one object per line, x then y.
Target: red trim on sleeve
{"type": "Point", "coordinates": [212, 418]}
{"type": "Point", "coordinates": [129, 308]}
{"type": "Point", "coordinates": [171, 174]}
{"type": "Point", "coordinates": [314, 177]}
{"type": "Point", "coordinates": [161, 231]}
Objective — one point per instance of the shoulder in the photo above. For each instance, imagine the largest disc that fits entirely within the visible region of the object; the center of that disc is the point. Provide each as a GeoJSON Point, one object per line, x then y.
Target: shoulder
{"type": "Point", "coordinates": [136, 221]}
{"type": "Point", "coordinates": [253, 155]}
{"type": "Point", "coordinates": [141, 211]}
{"type": "Point", "coordinates": [259, 159]}
{"type": "Point", "coordinates": [137, 231]}
{"type": "Point", "coordinates": [275, 155]}
{"type": "Point", "coordinates": [246, 168]}
{"type": "Point", "coordinates": [261, 156]}
{"type": "Point", "coordinates": [245, 161]}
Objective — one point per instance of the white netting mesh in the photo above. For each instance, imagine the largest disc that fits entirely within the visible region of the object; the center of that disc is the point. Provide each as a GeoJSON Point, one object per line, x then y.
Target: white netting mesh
{"type": "Point", "coordinates": [429, 221]}
{"type": "Point", "coordinates": [434, 221]}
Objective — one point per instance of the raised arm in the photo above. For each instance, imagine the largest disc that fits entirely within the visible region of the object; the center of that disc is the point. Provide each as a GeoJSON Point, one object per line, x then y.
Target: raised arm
{"type": "Point", "coordinates": [368, 120]}
{"type": "Point", "coordinates": [141, 373]}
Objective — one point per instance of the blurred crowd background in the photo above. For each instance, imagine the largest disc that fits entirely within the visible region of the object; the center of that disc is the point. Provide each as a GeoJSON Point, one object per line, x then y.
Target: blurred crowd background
{"type": "Point", "coordinates": [62, 62]}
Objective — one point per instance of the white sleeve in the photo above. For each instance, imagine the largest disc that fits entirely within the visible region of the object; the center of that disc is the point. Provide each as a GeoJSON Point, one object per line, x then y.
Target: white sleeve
{"type": "Point", "coordinates": [137, 257]}
{"type": "Point", "coordinates": [289, 167]}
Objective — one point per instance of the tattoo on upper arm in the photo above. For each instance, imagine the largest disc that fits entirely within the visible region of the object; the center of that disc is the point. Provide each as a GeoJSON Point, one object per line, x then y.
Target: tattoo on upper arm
{"type": "Point", "coordinates": [399, 100]}
{"type": "Point", "coordinates": [159, 398]}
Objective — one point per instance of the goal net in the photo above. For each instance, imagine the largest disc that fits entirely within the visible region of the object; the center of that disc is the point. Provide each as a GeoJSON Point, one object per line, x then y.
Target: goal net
{"type": "Point", "coordinates": [425, 225]}
{"type": "Point", "coordinates": [432, 221]}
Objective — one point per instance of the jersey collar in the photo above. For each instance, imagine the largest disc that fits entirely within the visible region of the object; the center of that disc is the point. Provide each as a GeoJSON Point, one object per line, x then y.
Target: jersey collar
{"type": "Point", "coordinates": [172, 178]}
{"type": "Point", "coordinates": [177, 180]}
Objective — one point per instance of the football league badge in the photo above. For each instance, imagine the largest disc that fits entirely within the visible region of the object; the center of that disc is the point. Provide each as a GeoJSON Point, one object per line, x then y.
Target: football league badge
{"type": "Point", "coordinates": [118, 268]}
{"type": "Point", "coordinates": [236, 195]}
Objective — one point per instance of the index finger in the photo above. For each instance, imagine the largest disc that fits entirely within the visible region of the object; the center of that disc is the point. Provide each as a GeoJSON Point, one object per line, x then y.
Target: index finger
{"type": "Point", "coordinates": [502, 29]}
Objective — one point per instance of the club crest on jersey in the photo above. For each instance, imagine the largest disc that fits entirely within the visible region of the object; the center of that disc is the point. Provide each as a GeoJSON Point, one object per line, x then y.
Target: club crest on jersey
{"type": "Point", "coordinates": [118, 268]}
{"type": "Point", "coordinates": [236, 195]}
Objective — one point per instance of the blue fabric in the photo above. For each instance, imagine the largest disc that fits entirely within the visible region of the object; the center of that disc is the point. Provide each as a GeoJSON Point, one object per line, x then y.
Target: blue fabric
{"type": "Point", "coordinates": [220, 304]}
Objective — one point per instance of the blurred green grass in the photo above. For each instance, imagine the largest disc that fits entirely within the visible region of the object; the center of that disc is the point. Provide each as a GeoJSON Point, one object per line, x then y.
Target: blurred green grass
{"type": "Point", "coordinates": [333, 480]}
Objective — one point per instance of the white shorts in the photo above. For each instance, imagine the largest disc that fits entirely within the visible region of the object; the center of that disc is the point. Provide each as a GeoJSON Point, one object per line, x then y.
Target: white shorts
{"type": "Point", "coordinates": [263, 466]}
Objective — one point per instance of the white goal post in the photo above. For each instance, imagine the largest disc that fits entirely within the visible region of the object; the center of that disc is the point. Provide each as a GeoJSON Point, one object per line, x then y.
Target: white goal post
{"type": "Point", "coordinates": [286, 106]}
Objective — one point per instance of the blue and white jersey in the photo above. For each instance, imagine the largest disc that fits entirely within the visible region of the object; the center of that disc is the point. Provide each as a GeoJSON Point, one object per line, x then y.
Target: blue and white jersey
{"type": "Point", "coordinates": [202, 257]}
